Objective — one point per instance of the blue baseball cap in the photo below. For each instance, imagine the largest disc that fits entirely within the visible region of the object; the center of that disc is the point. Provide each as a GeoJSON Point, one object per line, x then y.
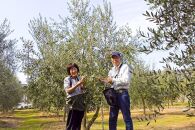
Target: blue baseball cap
{"type": "Point", "coordinates": [115, 53]}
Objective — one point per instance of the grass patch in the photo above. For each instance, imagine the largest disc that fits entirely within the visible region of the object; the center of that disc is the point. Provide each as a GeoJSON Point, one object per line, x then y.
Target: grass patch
{"type": "Point", "coordinates": [28, 113]}
{"type": "Point", "coordinates": [31, 119]}
{"type": "Point", "coordinates": [182, 104]}
{"type": "Point", "coordinates": [165, 122]}
{"type": "Point", "coordinates": [35, 120]}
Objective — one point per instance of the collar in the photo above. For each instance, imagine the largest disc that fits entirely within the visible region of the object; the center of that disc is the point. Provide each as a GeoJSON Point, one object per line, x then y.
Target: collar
{"type": "Point", "coordinates": [118, 67]}
{"type": "Point", "coordinates": [75, 78]}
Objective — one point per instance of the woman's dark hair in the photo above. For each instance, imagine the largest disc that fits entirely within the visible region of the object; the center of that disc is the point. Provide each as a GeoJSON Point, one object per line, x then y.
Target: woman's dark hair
{"type": "Point", "coordinates": [71, 65]}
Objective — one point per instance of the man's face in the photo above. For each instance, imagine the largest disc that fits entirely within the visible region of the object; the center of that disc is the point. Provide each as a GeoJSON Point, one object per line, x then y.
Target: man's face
{"type": "Point", "coordinates": [116, 60]}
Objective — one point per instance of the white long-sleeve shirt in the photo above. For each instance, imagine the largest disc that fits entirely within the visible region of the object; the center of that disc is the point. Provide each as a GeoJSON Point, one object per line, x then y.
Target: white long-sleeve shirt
{"type": "Point", "coordinates": [120, 77]}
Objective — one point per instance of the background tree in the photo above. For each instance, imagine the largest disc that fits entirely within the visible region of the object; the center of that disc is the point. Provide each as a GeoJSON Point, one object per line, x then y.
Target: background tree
{"type": "Point", "coordinates": [7, 46]}
{"type": "Point", "coordinates": [171, 87]}
{"type": "Point", "coordinates": [10, 89]}
{"type": "Point", "coordinates": [145, 91]}
{"type": "Point", "coordinates": [86, 37]}
{"type": "Point", "coordinates": [174, 32]}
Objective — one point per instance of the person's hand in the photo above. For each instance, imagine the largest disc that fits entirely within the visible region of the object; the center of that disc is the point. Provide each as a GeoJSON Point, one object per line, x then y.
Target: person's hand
{"type": "Point", "coordinates": [83, 78]}
{"type": "Point", "coordinates": [101, 79]}
{"type": "Point", "coordinates": [106, 80]}
{"type": "Point", "coordinates": [81, 81]}
{"type": "Point", "coordinates": [109, 80]}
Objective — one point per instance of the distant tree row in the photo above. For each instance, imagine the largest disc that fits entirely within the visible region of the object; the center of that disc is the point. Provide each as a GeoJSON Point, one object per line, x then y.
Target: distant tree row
{"type": "Point", "coordinates": [10, 88]}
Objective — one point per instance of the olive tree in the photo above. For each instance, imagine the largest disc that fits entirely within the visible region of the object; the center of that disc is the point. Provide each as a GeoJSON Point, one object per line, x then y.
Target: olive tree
{"type": "Point", "coordinates": [86, 37]}
{"type": "Point", "coordinates": [174, 32]}
{"type": "Point", "coordinates": [10, 88]}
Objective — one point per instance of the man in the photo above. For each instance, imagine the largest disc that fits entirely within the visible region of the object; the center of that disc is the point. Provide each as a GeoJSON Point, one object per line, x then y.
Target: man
{"type": "Point", "coordinates": [119, 78]}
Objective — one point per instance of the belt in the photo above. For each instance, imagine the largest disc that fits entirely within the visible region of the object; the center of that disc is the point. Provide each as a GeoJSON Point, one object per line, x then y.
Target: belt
{"type": "Point", "coordinates": [120, 90]}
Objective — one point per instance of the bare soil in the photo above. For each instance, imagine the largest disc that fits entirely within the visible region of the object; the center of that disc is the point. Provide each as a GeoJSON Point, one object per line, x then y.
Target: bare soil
{"type": "Point", "coordinates": [9, 122]}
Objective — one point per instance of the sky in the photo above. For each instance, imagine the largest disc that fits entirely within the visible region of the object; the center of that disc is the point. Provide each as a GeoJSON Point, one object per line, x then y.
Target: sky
{"type": "Point", "coordinates": [20, 12]}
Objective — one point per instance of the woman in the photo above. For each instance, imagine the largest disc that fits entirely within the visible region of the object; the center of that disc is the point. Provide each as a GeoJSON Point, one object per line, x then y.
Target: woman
{"type": "Point", "coordinates": [73, 85]}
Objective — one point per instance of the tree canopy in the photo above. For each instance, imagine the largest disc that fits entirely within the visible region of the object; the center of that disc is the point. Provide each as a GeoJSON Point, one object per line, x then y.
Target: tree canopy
{"type": "Point", "coordinates": [86, 37]}
{"type": "Point", "coordinates": [174, 31]}
{"type": "Point", "coordinates": [10, 88]}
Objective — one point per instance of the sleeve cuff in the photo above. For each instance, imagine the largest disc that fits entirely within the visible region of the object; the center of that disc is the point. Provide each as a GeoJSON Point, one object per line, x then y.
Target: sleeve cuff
{"type": "Point", "coordinates": [113, 80]}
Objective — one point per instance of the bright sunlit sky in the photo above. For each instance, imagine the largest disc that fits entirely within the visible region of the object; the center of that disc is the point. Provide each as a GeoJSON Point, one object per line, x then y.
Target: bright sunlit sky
{"type": "Point", "coordinates": [20, 12]}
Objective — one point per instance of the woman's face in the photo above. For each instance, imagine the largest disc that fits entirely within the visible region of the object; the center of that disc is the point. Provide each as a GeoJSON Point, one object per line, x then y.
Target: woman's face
{"type": "Point", "coordinates": [73, 72]}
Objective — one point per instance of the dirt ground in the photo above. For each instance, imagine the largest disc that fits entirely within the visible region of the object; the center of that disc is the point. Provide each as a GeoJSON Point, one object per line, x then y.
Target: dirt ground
{"type": "Point", "coordinates": [9, 122]}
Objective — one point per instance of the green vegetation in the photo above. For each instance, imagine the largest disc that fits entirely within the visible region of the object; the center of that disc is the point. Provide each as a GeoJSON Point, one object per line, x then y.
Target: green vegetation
{"type": "Point", "coordinates": [174, 33]}
{"type": "Point", "coordinates": [10, 88]}
{"type": "Point", "coordinates": [86, 37]}
{"type": "Point", "coordinates": [29, 119]}
{"type": "Point", "coordinates": [36, 120]}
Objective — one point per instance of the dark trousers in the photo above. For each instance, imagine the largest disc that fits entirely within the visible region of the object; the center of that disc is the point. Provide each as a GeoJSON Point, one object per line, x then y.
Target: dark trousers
{"type": "Point", "coordinates": [74, 120]}
{"type": "Point", "coordinates": [124, 106]}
